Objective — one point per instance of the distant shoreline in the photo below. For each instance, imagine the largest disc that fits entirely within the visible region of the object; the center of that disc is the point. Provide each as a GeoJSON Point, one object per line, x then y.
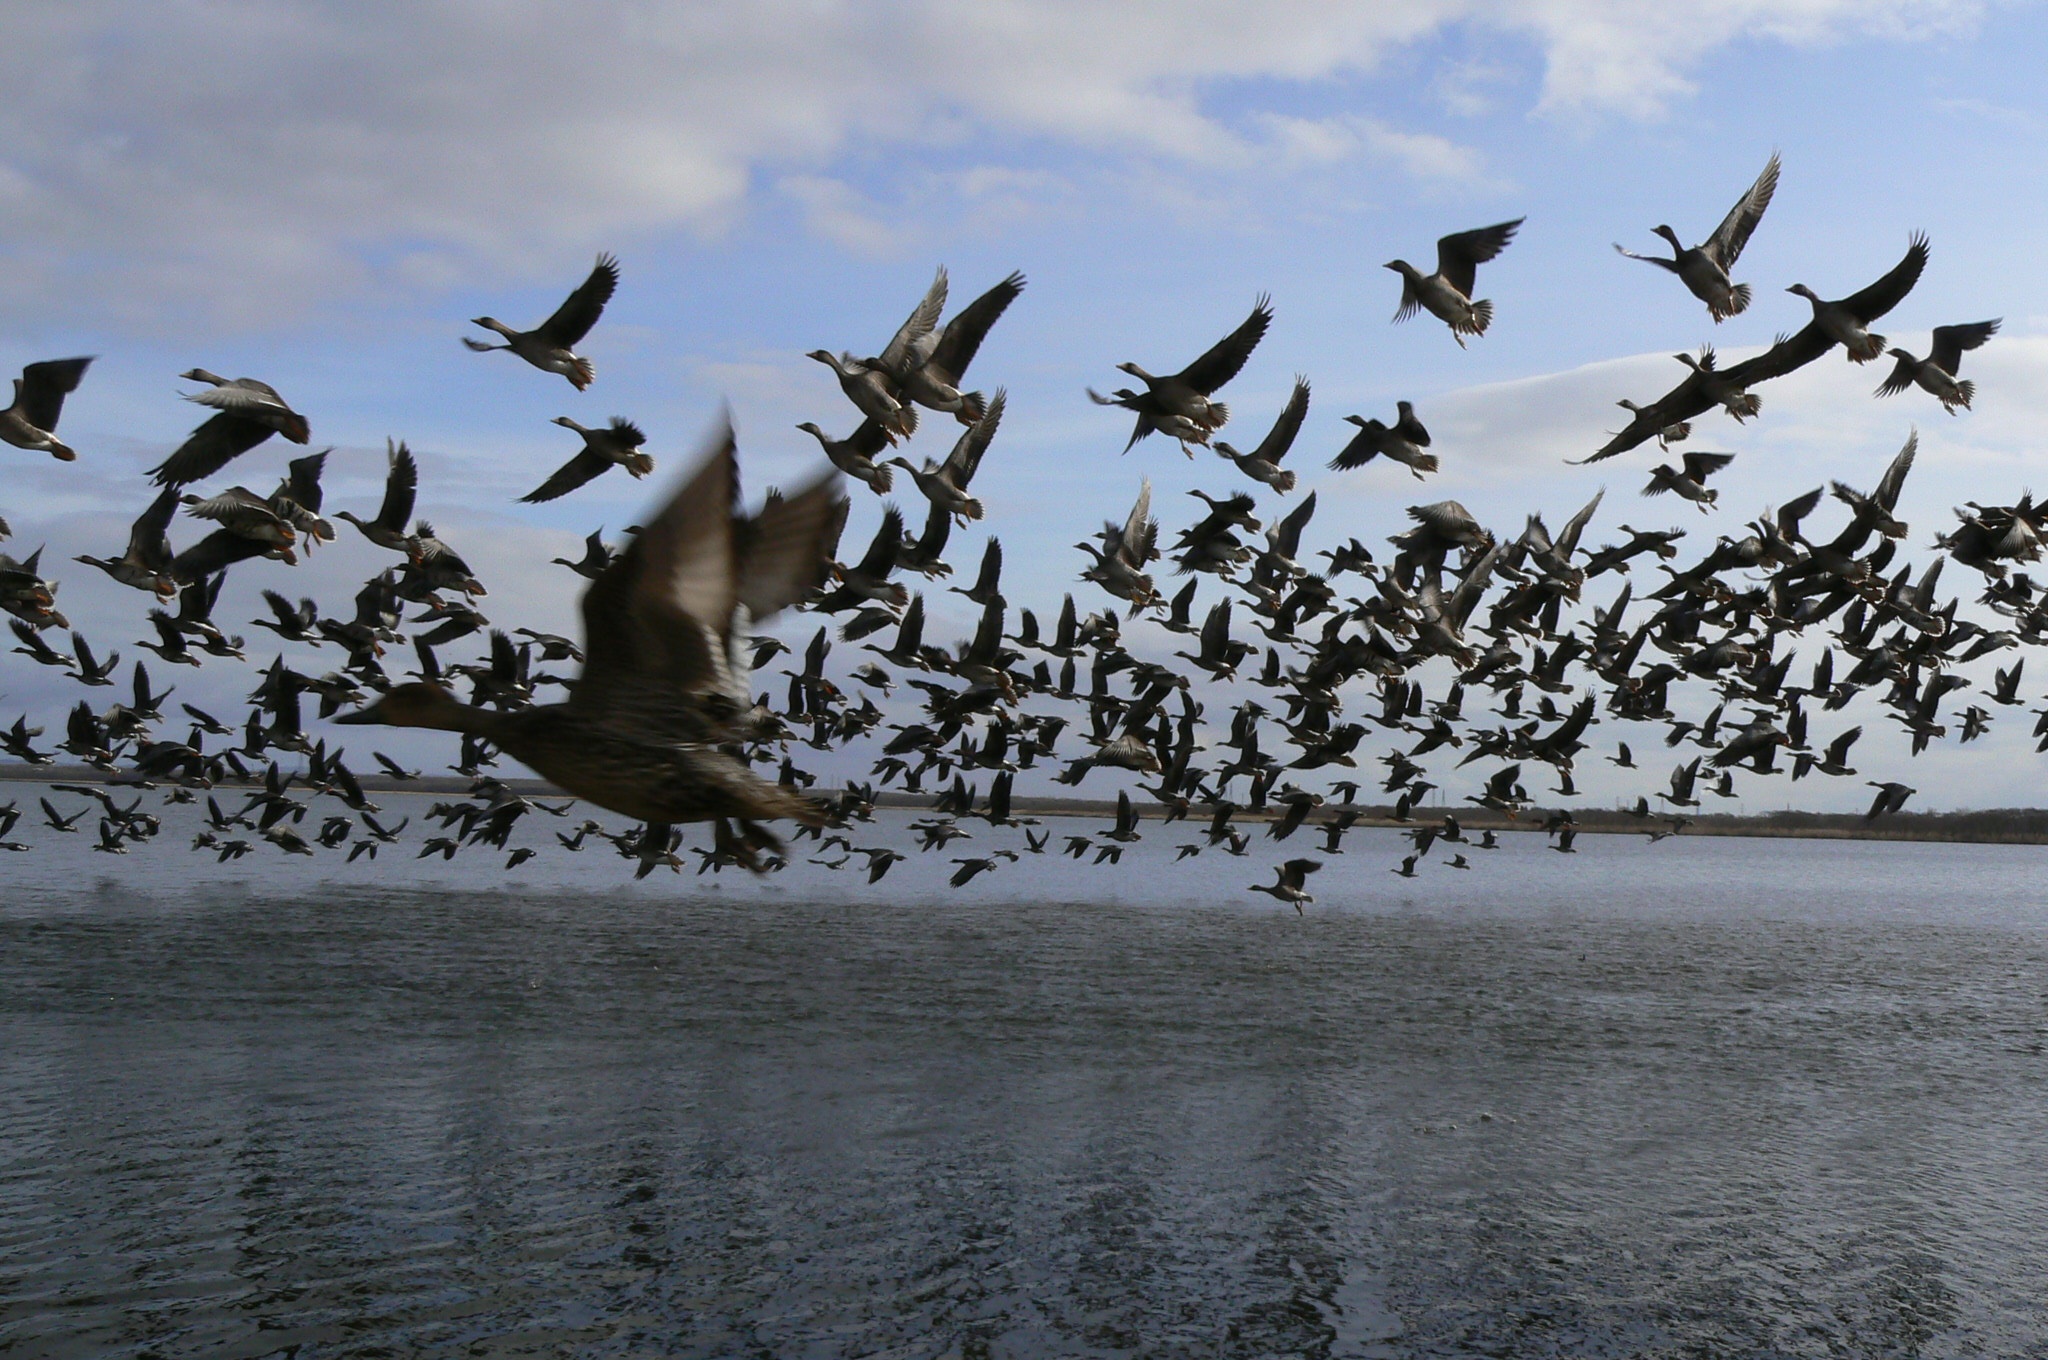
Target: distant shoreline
{"type": "Point", "coordinates": [1991, 826]}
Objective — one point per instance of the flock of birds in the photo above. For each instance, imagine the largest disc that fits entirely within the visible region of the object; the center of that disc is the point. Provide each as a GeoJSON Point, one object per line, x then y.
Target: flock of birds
{"type": "Point", "coordinates": [1463, 645]}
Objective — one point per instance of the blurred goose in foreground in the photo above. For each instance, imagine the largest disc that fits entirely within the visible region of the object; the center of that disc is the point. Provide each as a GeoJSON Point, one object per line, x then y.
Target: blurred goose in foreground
{"type": "Point", "coordinates": [551, 346]}
{"type": "Point", "coordinates": [1403, 442]}
{"type": "Point", "coordinates": [615, 445]}
{"type": "Point", "coordinates": [1262, 464]}
{"type": "Point", "coordinates": [1704, 268]}
{"type": "Point", "coordinates": [31, 422]}
{"type": "Point", "coordinates": [1179, 404]}
{"type": "Point", "coordinates": [666, 681]}
{"type": "Point", "coordinates": [1447, 294]}
{"type": "Point", "coordinates": [1937, 372]}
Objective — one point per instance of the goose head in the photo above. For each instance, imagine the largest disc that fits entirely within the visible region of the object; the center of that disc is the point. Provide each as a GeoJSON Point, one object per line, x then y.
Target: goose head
{"type": "Point", "coordinates": [201, 375]}
{"type": "Point", "coordinates": [1668, 234]}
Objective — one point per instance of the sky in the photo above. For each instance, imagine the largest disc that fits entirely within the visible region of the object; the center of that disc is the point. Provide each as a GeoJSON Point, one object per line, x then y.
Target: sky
{"type": "Point", "coordinates": [322, 196]}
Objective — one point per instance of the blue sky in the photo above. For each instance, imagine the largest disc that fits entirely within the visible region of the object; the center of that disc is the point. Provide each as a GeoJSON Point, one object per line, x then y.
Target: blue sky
{"type": "Point", "coordinates": [345, 187]}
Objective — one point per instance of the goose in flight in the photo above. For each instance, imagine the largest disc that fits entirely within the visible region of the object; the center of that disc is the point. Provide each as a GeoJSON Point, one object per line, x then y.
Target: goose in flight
{"type": "Point", "coordinates": [1447, 294]}
{"type": "Point", "coordinates": [551, 346]}
{"type": "Point", "coordinates": [1704, 268]}
{"type": "Point", "coordinates": [613, 445]}
{"type": "Point", "coordinates": [1180, 404]}
{"type": "Point", "coordinates": [401, 488]}
{"type": "Point", "coordinates": [1688, 480]}
{"type": "Point", "coordinates": [31, 422]}
{"type": "Point", "coordinates": [1936, 373]}
{"type": "Point", "coordinates": [1289, 880]}
{"type": "Point", "coordinates": [1402, 442]}
{"type": "Point", "coordinates": [665, 685]}
{"type": "Point", "coordinates": [1846, 322]}
{"type": "Point", "coordinates": [1262, 464]}
{"type": "Point", "coordinates": [250, 412]}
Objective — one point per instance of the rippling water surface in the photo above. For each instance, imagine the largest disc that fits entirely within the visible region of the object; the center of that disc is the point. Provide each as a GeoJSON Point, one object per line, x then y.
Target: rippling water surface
{"type": "Point", "coordinates": [1708, 1098]}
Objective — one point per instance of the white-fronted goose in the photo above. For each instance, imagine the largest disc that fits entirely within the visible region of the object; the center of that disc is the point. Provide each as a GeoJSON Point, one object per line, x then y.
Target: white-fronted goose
{"type": "Point", "coordinates": [1689, 479]}
{"type": "Point", "coordinates": [1262, 464]}
{"type": "Point", "coordinates": [1289, 879]}
{"type": "Point", "coordinates": [666, 678]}
{"type": "Point", "coordinates": [945, 485]}
{"type": "Point", "coordinates": [31, 422]}
{"type": "Point", "coordinates": [551, 346]}
{"type": "Point", "coordinates": [401, 488]}
{"type": "Point", "coordinates": [1403, 442]}
{"type": "Point", "coordinates": [615, 445]}
{"type": "Point", "coordinates": [250, 412]}
{"type": "Point", "coordinates": [946, 355]}
{"type": "Point", "coordinates": [146, 565]}
{"type": "Point", "coordinates": [855, 454]}
{"type": "Point", "coordinates": [1179, 404]}
{"type": "Point", "coordinates": [1936, 373]}
{"type": "Point", "coordinates": [871, 392]}
{"type": "Point", "coordinates": [1704, 268]}
{"type": "Point", "coordinates": [1447, 294]}
{"type": "Point", "coordinates": [1847, 322]}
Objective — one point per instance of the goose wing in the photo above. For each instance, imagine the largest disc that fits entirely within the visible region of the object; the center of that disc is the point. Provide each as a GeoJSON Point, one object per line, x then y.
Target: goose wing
{"type": "Point", "coordinates": [1868, 304]}
{"type": "Point", "coordinates": [1224, 358]}
{"type": "Point", "coordinates": [585, 466]}
{"type": "Point", "coordinates": [962, 337]}
{"type": "Point", "coordinates": [401, 486]}
{"type": "Point", "coordinates": [962, 462]}
{"type": "Point", "coordinates": [653, 620]}
{"type": "Point", "coordinates": [1726, 244]}
{"type": "Point", "coordinates": [1949, 342]}
{"type": "Point", "coordinates": [901, 352]}
{"type": "Point", "coordinates": [302, 480]}
{"type": "Point", "coordinates": [1459, 255]}
{"type": "Point", "coordinates": [1700, 465]}
{"type": "Point", "coordinates": [147, 541]}
{"type": "Point", "coordinates": [1658, 260]}
{"type": "Point", "coordinates": [218, 551]}
{"type": "Point", "coordinates": [45, 384]}
{"type": "Point", "coordinates": [581, 309]}
{"type": "Point", "coordinates": [1280, 438]}
{"type": "Point", "coordinates": [1894, 480]}
{"type": "Point", "coordinates": [217, 442]}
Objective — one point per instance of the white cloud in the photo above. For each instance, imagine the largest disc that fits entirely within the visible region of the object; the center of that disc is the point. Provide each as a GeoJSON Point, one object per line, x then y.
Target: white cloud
{"type": "Point", "coordinates": [160, 160]}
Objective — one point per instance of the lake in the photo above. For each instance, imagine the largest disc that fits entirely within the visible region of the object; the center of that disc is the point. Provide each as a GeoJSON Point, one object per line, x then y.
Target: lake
{"type": "Point", "coordinates": [1703, 1098]}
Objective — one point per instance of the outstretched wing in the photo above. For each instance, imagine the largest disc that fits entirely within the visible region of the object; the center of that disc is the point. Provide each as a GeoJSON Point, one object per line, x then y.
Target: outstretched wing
{"type": "Point", "coordinates": [580, 311]}
{"type": "Point", "coordinates": [963, 335]}
{"type": "Point", "coordinates": [965, 458]}
{"type": "Point", "coordinates": [401, 485]}
{"type": "Point", "coordinates": [1726, 244]}
{"type": "Point", "coordinates": [1699, 466]}
{"type": "Point", "coordinates": [1280, 438]}
{"type": "Point", "coordinates": [1949, 342]}
{"type": "Point", "coordinates": [585, 466]}
{"type": "Point", "coordinates": [1458, 256]}
{"type": "Point", "coordinates": [900, 353]}
{"type": "Point", "coordinates": [1228, 355]}
{"type": "Point", "coordinates": [653, 619]}
{"type": "Point", "coordinates": [1873, 302]}
{"type": "Point", "coordinates": [45, 384]}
